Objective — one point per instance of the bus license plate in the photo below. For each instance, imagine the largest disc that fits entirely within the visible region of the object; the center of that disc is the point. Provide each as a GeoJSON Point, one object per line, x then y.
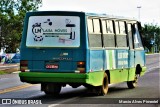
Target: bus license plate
{"type": "Point", "coordinates": [51, 66]}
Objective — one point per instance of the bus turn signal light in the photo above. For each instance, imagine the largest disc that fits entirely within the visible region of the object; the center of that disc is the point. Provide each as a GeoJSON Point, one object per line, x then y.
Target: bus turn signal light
{"type": "Point", "coordinates": [23, 65]}
{"type": "Point", "coordinates": [81, 66]}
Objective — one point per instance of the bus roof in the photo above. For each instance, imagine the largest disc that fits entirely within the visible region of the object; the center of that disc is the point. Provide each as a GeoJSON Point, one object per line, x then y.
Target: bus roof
{"type": "Point", "coordinates": [95, 15]}
{"type": "Point", "coordinates": [107, 16]}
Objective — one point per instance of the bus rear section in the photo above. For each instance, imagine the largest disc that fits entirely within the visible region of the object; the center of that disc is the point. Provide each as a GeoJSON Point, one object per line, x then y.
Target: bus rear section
{"type": "Point", "coordinates": [53, 50]}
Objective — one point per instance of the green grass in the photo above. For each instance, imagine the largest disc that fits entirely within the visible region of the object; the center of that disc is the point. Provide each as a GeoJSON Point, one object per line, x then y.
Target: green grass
{"type": "Point", "coordinates": [3, 72]}
{"type": "Point", "coordinates": [8, 71]}
{"type": "Point", "coordinates": [149, 53]}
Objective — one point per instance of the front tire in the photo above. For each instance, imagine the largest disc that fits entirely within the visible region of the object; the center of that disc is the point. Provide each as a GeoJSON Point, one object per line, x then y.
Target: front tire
{"type": "Point", "coordinates": [133, 84]}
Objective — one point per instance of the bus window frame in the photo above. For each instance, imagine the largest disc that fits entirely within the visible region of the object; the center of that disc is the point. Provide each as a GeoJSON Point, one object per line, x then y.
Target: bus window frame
{"type": "Point", "coordinates": [95, 33]}
{"type": "Point", "coordinates": [95, 25]}
{"type": "Point", "coordinates": [130, 35]}
{"type": "Point", "coordinates": [121, 34]}
{"type": "Point", "coordinates": [138, 38]}
{"type": "Point", "coordinates": [106, 33]}
{"type": "Point", "coordinates": [89, 27]}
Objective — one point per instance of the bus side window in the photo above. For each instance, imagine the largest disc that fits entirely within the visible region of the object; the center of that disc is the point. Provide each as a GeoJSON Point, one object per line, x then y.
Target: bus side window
{"type": "Point", "coordinates": [94, 33]}
{"type": "Point", "coordinates": [129, 26]}
{"type": "Point", "coordinates": [109, 26]}
{"type": "Point", "coordinates": [90, 25]}
{"type": "Point", "coordinates": [120, 34]}
{"type": "Point", "coordinates": [96, 26]}
{"type": "Point", "coordinates": [117, 27]}
{"type": "Point", "coordinates": [108, 34]}
{"type": "Point", "coordinates": [137, 38]}
{"type": "Point", "coordinates": [122, 27]}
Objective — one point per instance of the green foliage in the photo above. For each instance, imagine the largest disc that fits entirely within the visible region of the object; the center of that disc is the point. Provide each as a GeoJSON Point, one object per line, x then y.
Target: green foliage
{"type": "Point", "coordinates": [148, 32]}
{"type": "Point", "coordinates": [2, 72]}
{"type": "Point", "coordinates": [12, 13]}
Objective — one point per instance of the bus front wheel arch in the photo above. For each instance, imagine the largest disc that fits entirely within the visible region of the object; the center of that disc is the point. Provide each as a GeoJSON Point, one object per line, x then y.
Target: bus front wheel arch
{"type": "Point", "coordinates": [133, 84]}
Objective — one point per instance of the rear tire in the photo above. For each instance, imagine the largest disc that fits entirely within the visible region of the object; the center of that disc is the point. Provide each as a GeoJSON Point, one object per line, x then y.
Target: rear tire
{"type": "Point", "coordinates": [51, 89]}
{"type": "Point", "coordinates": [102, 90]}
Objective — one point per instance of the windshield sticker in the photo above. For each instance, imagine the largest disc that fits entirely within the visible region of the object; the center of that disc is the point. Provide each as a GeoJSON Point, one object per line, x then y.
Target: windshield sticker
{"type": "Point", "coordinates": [53, 31]}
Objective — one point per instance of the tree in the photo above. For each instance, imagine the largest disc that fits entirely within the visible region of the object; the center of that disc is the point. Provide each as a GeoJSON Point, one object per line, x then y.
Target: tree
{"type": "Point", "coordinates": [150, 33]}
{"type": "Point", "coordinates": [12, 13]}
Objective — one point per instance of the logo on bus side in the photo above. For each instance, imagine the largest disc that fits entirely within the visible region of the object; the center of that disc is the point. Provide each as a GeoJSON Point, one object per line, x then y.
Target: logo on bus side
{"type": "Point", "coordinates": [122, 59]}
{"type": "Point", "coordinates": [37, 31]}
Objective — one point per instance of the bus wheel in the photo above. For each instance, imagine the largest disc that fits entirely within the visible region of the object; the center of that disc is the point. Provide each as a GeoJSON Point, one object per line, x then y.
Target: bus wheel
{"type": "Point", "coordinates": [133, 84]}
{"type": "Point", "coordinates": [102, 90]}
{"type": "Point", "coordinates": [51, 89]}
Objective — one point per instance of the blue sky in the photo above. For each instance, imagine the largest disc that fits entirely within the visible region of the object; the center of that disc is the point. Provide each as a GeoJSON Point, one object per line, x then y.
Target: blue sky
{"type": "Point", "coordinates": [149, 11]}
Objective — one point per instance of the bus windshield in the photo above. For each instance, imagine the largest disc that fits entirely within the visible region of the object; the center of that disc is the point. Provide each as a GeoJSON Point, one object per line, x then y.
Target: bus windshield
{"type": "Point", "coordinates": [53, 31]}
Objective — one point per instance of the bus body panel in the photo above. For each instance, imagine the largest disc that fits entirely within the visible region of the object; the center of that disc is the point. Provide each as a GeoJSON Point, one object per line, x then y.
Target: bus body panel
{"type": "Point", "coordinates": [93, 78]}
{"type": "Point", "coordinates": [117, 64]}
{"type": "Point", "coordinates": [131, 74]}
{"type": "Point", "coordinates": [140, 57]}
{"type": "Point", "coordinates": [131, 58]}
{"type": "Point", "coordinates": [96, 60]}
{"type": "Point", "coordinates": [65, 59]}
{"type": "Point", "coordinates": [110, 57]}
